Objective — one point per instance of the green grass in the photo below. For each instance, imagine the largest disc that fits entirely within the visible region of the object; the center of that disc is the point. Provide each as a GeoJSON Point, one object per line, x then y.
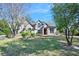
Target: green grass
{"type": "Point", "coordinates": [49, 46]}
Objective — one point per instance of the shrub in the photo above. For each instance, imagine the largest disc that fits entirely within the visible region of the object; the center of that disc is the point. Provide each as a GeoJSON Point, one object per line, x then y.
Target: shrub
{"type": "Point", "coordinates": [2, 33]}
{"type": "Point", "coordinates": [5, 28]}
{"type": "Point", "coordinates": [3, 24]}
{"type": "Point", "coordinates": [25, 33]}
{"type": "Point", "coordinates": [28, 33]}
{"type": "Point", "coordinates": [7, 31]}
{"type": "Point", "coordinates": [32, 34]}
{"type": "Point", "coordinates": [76, 33]}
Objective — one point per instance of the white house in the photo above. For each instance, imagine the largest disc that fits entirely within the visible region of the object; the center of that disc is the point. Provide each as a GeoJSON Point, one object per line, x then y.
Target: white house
{"type": "Point", "coordinates": [45, 29]}
{"type": "Point", "coordinates": [24, 24]}
{"type": "Point", "coordinates": [39, 27]}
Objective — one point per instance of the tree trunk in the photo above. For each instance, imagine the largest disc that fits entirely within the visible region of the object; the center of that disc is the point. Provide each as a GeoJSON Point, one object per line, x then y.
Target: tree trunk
{"type": "Point", "coordinates": [67, 34]}
{"type": "Point", "coordinates": [72, 35]}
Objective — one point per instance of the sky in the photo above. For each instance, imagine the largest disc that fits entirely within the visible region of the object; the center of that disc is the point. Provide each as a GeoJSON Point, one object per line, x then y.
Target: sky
{"type": "Point", "coordinates": [38, 11]}
{"type": "Point", "coordinates": [41, 12]}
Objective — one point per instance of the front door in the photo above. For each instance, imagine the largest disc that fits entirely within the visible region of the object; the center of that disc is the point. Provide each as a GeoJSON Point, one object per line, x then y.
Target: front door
{"type": "Point", "coordinates": [45, 31]}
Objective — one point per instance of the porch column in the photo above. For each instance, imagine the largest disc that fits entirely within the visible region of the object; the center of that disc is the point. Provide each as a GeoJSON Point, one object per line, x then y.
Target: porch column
{"type": "Point", "coordinates": [48, 31]}
{"type": "Point", "coordinates": [42, 31]}
{"type": "Point", "coordinates": [55, 31]}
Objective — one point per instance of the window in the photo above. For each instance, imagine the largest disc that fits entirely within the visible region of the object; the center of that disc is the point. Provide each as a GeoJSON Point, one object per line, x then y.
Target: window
{"type": "Point", "coordinates": [51, 30]}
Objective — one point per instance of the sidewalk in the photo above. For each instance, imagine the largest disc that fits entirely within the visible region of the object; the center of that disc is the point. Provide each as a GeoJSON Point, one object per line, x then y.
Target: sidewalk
{"type": "Point", "coordinates": [76, 37]}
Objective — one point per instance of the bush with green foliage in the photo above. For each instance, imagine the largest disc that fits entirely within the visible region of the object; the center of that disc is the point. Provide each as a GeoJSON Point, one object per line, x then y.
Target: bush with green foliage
{"type": "Point", "coordinates": [4, 28]}
{"type": "Point", "coordinates": [7, 32]}
{"type": "Point", "coordinates": [24, 34]}
{"type": "Point", "coordinates": [2, 33]}
{"type": "Point", "coordinates": [32, 34]}
{"type": "Point", "coordinates": [76, 33]}
{"type": "Point", "coordinates": [27, 33]}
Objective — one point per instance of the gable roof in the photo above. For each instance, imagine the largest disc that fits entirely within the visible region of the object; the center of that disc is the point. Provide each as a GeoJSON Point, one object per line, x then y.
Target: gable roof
{"type": "Point", "coordinates": [25, 21]}
{"type": "Point", "coordinates": [48, 24]}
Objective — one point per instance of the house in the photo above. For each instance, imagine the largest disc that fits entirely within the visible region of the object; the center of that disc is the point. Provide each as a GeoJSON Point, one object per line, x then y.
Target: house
{"type": "Point", "coordinates": [39, 27]}
{"type": "Point", "coordinates": [45, 29]}
{"type": "Point", "coordinates": [24, 24]}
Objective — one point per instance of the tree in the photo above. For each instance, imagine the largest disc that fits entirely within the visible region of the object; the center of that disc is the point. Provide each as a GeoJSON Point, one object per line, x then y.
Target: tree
{"type": "Point", "coordinates": [11, 12]}
{"type": "Point", "coordinates": [14, 11]}
{"type": "Point", "coordinates": [65, 16]}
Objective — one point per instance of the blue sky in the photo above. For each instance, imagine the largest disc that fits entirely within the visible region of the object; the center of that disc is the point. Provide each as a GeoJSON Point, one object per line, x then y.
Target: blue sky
{"type": "Point", "coordinates": [38, 11]}
{"type": "Point", "coordinates": [41, 12]}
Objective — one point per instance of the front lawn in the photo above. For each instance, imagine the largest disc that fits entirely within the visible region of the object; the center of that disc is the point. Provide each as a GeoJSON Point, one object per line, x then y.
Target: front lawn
{"type": "Point", "coordinates": [49, 46]}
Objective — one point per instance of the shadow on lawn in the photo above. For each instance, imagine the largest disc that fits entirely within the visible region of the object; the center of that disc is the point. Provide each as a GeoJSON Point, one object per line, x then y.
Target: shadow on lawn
{"type": "Point", "coordinates": [29, 47]}
{"type": "Point", "coordinates": [37, 47]}
{"type": "Point", "coordinates": [67, 50]}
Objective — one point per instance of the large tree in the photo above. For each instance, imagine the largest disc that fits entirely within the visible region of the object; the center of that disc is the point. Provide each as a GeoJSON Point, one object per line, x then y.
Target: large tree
{"type": "Point", "coordinates": [65, 16]}
{"type": "Point", "coordinates": [13, 12]}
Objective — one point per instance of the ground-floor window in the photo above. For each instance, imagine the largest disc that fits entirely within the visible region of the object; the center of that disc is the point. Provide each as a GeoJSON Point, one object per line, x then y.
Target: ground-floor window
{"type": "Point", "coordinates": [51, 30]}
